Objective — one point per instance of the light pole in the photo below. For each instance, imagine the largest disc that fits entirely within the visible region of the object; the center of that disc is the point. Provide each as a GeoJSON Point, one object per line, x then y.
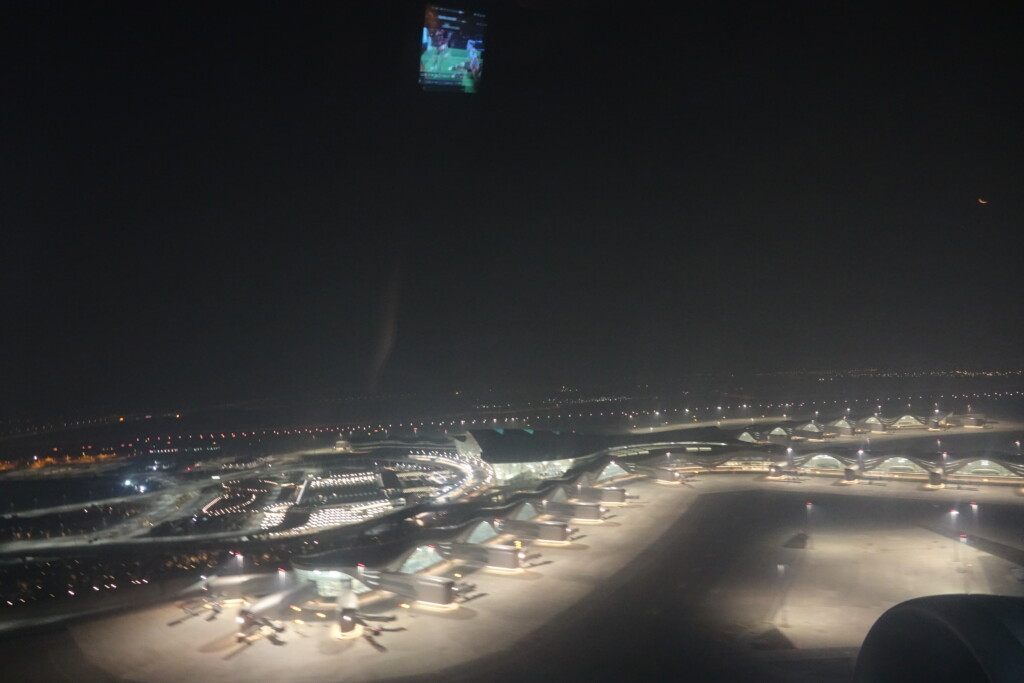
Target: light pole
{"type": "Point", "coordinates": [781, 568]}
{"type": "Point", "coordinates": [953, 514]}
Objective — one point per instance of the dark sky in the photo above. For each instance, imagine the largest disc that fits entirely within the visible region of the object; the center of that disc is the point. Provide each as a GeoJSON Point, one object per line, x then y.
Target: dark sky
{"type": "Point", "coordinates": [205, 202]}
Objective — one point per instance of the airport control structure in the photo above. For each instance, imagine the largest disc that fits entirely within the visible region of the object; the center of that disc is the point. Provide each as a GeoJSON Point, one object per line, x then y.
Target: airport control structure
{"type": "Point", "coordinates": [553, 484]}
{"type": "Point", "coordinates": [346, 541]}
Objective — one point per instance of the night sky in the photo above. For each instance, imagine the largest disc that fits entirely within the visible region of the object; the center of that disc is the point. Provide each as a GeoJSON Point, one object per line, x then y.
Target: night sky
{"type": "Point", "coordinates": [206, 202]}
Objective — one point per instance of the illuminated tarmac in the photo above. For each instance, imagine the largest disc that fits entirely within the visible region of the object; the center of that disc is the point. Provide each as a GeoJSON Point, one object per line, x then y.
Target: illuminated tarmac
{"type": "Point", "coordinates": [738, 586]}
{"type": "Point", "coordinates": [514, 605]}
{"type": "Point", "coordinates": [833, 590]}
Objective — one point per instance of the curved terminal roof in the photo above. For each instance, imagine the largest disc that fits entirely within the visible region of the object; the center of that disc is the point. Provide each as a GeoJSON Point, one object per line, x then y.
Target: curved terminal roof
{"type": "Point", "coordinates": [526, 445]}
{"type": "Point", "coordinates": [482, 532]}
{"type": "Point", "coordinates": [898, 465]}
{"type": "Point", "coordinates": [812, 427]}
{"type": "Point", "coordinates": [987, 467]}
{"type": "Point", "coordinates": [905, 421]}
{"type": "Point", "coordinates": [611, 471]}
{"type": "Point", "coordinates": [422, 557]}
{"type": "Point", "coordinates": [823, 461]}
{"type": "Point", "coordinates": [522, 445]}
